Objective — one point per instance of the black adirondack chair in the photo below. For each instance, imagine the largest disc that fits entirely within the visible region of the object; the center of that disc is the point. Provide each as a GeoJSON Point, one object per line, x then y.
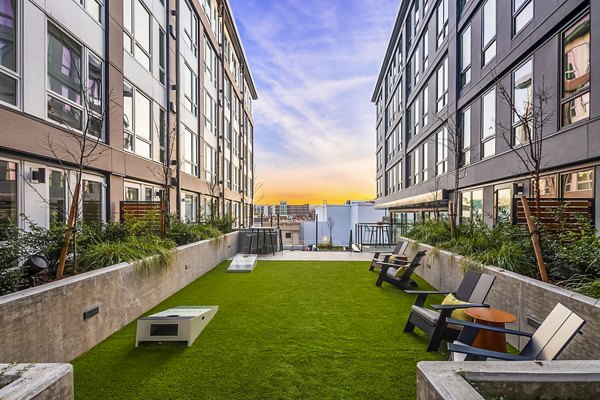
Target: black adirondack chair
{"type": "Point", "coordinates": [388, 272]}
{"type": "Point", "coordinates": [546, 344]}
{"type": "Point", "coordinates": [473, 289]}
{"type": "Point", "coordinates": [380, 257]}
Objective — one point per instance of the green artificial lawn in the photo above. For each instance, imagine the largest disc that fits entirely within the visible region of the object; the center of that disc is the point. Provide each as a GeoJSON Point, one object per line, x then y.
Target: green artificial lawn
{"type": "Point", "coordinates": [288, 330]}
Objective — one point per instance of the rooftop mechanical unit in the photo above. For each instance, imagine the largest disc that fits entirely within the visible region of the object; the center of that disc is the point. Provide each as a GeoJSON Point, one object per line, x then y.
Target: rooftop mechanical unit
{"type": "Point", "coordinates": [179, 324]}
{"type": "Point", "coordinates": [243, 263]}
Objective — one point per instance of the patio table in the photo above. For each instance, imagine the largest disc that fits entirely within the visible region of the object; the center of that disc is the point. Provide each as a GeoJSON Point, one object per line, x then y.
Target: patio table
{"type": "Point", "coordinates": [490, 316]}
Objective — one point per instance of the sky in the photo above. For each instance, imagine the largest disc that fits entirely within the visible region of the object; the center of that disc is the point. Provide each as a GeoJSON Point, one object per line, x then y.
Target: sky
{"type": "Point", "coordinates": [314, 64]}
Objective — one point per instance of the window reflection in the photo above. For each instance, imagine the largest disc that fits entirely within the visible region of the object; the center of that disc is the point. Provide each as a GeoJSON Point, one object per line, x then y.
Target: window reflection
{"type": "Point", "coordinates": [576, 72]}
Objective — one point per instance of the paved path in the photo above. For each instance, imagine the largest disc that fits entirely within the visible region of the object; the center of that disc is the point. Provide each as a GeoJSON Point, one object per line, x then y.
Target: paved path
{"type": "Point", "coordinates": [298, 255]}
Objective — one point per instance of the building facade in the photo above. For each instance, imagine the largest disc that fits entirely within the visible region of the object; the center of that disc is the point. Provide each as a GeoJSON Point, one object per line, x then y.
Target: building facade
{"type": "Point", "coordinates": [461, 72]}
{"type": "Point", "coordinates": [159, 92]}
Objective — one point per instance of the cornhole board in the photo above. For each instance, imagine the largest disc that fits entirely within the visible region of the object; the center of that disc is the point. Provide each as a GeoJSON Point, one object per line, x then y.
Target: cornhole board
{"type": "Point", "coordinates": [243, 263]}
{"type": "Point", "coordinates": [179, 324]}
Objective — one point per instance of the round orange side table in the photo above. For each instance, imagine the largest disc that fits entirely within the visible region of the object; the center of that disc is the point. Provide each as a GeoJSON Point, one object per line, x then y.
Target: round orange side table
{"type": "Point", "coordinates": [490, 316]}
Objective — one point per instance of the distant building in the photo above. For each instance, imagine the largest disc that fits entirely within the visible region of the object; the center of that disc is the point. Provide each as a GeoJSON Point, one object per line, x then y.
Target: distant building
{"type": "Point", "coordinates": [283, 209]}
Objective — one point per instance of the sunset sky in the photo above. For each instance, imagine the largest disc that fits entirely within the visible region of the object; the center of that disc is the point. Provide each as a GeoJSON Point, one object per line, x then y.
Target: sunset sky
{"type": "Point", "coordinates": [315, 63]}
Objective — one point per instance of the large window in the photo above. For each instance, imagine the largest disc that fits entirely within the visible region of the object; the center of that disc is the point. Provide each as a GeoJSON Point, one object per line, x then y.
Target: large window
{"type": "Point", "coordinates": [190, 90]}
{"type": "Point", "coordinates": [162, 56]}
{"type": "Point", "coordinates": [136, 24]}
{"type": "Point", "coordinates": [489, 32]}
{"type": "Point", "coordinates": [416, 167]}
{"type": "Point", "coordinates": [190, 152]}
{"type": "Point", "coordinates": [425, 151]}
{"type": "Point", "coordinates": [209, 112]}
{"type": "Point", "coordinates": [523, 102]}
{"type": "Point", "coordinates": [9, 77]}
{"type": "Point", "coordinates": [425, 46]}
{"type": "Point", "coordinates": [137, 121]}
{"type": "Point", "coordinates": [442, 22]}
{"type": "Point", "coordinates": [91, 202]}
{"type": "Point", "coordinates": [465, 126]}
{"type": "Point", "coordinates": [189, 20]}
{"type": "Point", "coordinates": [93, 7]}
{"type": "Point", "coordinates": [210, 65]}
{"type": "Point", "coordinates": [488, 124]}
{"type": "Point", "coordinates": [8, 195]}
{"type": "Point", "coordinates": [425, 105]}
{"type": "Point", "coordinates": [190, 209]}
{"type": "Point", "coordinates": [502, 204]}
{"type": "Point", "coordinates": [522, 14]}
{"type": "Point", "coordinates": [465, 57]}
{"type": "Point", "coordinates": [575, 102]}
{"type": "Point", "coordinates": [442, 85]}
{"type": "Point", "coordinates": [548, 187]}
{"type": "Point", "coordinates": [579, 184]}
{"type": "Point", "coordinates": [56, 197]}
{"type": "Point", "coordinates": [472, 204]}
{"type": "Point", "coordinates": [441, 156]}
{"type": "Point", "coordinates": [209, 163]}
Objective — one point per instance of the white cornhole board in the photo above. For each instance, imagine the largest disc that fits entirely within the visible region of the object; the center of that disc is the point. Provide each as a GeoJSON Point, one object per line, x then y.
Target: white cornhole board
{"type": "Point", "coordinates": [179, 324]}
{"type": "Point", "coordinates": [243, 263]}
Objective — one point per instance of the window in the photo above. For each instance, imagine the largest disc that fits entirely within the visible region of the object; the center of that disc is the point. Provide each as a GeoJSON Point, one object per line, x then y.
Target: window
{"type": "Point", "coordinates": [522, 14]}
{"type": "Point", "coordinates": [416, 62]}
{"type": "Point", "coordinates": [465, 124]}
{"type": "Point", "coordinates": [579, 184]}
{"type": "Point", "coordinates": [416, 10]}
{"type": "Point", "coordinates": [425, 46]}
{"type": "Point", "coordinates": [190, 90]}
{"type": "Point", "coordinates": [190, 152]}
{"type": "Point", "coordinates": [417, 115]}
{"type": "Point", "coordinates": [56, 197]}
{"type": "Point", "coordinates": [132, 193]}
{"type": "Point", "coordinates": [488, 121]}
{"type": "Point", "coordinates": [91, 202]}
{"type": "Point", "coordinates": [227, 173]}
{"type": "Point", "coordinates": [416, 167]}
{"type": "Point", "coordinates": [425, 105]}
{"type": "Point", "coordinates": [189, 20]}
{"type": "Point", "coordinates": [162, 56]}
{"type": "Point", "coordinates": [575, 102]}
{"type": "Point", "coordinates": [442, 21]}
{"type": "Point", "coordinates": [409, 123]}
{"type": "Point", "coordinates": [425, 161]}
{"type": "Point", "coordinates": [209, 163]}
{"type": "Point", "coordinates": [190, 209]}
{"type": "Point", "coordinates": [209, 112]}
{"type": "Point", "coordinates": [465, 57]}
{"type": "Point", "coordinates": [522, 99]}
{"type": "Point", "coordinates": [410, 169]}
{"type": "Point", "coordinates": [8, 194]}
{"type": "Point", "coordinates": [502, 204]}
{"type": "Point", "coordinates": [548, 188]}
{"type": "Point", "coordinates": [472, 205]}
{"type": "Point", "coordinates": [137, 121]}
{"type": "Point", "coordinates": [210, 64]}
{"type": "Point", "coordinates": [442, 85]}
{"type": "Point", "coordinates": [489, 32]}
{"type": "Point", "coordinates": [93, 7]}
{"type": "Point", "coordinates": [136, 24]}
{"type": "Point", "coordinates": [441, 160]}
{"type": "Point", "coordinates": [162, 135]}
{"type": "Point", "coordinates": [9, 77]}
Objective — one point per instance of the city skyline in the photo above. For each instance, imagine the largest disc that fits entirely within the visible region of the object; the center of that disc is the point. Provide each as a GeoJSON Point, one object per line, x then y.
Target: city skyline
{"type": "Point", "coordinates": [315, 72]}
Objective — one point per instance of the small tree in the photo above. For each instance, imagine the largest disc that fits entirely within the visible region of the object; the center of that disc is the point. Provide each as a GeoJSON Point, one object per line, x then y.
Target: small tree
{"type": "Point", "coordinates": [165, 172]}
{"type": "Point", "coordinates": [330, 225]}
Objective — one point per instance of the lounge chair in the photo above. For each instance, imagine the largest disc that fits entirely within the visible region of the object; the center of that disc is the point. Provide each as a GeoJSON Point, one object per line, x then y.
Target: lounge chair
{"type": "Point", "coordinates": [548, 341]}
{"type": "Point", "coordinates": [473, 290]}
{"type": "Point", "coordinates": [398, 273]}
{"type": "Point", "coordinates": [379, 257]}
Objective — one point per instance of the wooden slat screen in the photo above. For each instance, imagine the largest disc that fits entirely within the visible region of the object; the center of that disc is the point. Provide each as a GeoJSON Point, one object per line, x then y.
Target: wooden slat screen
{"type": "Point", "coordinates": [572, 208]}
{"type": "Point", "coordinates": [143, 209]}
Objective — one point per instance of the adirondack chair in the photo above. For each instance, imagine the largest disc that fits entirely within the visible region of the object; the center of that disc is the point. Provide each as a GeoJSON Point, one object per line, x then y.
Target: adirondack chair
{"type": "Point", "coordinates": [473, 289]}
{"type": "Point", "coordinates": [379, 257]}
{"type": "Point", "coordinates": [388, 272]}
{"type": "Point", "coordinates": [548, 341]}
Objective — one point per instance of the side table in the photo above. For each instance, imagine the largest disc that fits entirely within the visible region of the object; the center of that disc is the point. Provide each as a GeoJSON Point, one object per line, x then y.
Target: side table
{"type": "Point", "coordinates": [490, 316]}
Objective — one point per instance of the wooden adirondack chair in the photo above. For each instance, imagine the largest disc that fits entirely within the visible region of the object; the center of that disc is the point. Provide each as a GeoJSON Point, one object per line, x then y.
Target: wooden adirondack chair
{"type": "Point", "coordinates": [473, 289]}
{"type": "Point", "coordinates": [389, 272]}
{"type": "Point", "coordinates": [548, 341]}
{"type": "Point", "coordinates": [380, 257]}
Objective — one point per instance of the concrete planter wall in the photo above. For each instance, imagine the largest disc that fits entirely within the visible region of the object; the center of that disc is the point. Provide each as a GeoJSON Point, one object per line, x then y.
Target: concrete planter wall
{"type": "Point", "coordinates": [37, 381]}
{"type": "Point", "coordinates": [520, 296]}
{"type": "Point", "coordinates": [46, 324]}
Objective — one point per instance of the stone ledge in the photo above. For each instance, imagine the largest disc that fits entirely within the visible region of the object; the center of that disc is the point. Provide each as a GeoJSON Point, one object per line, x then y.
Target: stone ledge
{"type": "Point", "coordinates": [37, 381]}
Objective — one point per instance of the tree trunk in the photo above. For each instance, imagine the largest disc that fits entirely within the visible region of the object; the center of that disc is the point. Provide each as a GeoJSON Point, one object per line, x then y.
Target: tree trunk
{"type": "Point", "coordinates": [535, 240]}
{"type": "Point", "coordinates": [60, 270]}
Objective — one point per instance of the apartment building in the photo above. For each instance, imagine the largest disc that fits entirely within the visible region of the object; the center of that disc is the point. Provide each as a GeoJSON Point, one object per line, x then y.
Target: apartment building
{"type": "Point", "coordinates": [161, 89]}
{"type": "Point", "coordinates": [442, 78]}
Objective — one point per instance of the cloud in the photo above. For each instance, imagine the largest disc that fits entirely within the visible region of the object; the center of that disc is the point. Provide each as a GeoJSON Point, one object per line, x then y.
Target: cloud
{"type": "Point", "coordinates": [315, 64]}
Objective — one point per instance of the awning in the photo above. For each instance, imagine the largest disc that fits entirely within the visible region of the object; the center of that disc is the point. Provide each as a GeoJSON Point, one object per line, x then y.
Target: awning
{"type": "Point", "coordinates": [435, 199]}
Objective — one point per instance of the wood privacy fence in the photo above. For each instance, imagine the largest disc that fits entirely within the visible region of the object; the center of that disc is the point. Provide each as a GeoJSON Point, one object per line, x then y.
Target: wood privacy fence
{"type": "Point", "coordinates": [570, 209]}
{"type": "Point", "coordinates": [145, 210]}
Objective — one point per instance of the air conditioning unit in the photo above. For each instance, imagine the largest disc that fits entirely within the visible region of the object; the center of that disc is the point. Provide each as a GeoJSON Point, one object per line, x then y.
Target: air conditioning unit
{"type": "Point", "coordinates": [179, 324]}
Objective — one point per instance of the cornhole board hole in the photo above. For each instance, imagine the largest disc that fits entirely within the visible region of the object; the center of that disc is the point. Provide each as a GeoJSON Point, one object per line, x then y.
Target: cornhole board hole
{"type": "Point", "coordinates": [179, 324]}
{"type": "Point", "coordinates": [243, 263]}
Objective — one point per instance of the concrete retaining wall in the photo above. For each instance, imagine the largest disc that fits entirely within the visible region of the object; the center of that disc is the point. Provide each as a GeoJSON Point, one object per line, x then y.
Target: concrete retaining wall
{"type": "Point", "coordinates": [520, 296]}
{"type": "Point", "coordinates": [45, 323]}
{"type": "Point", "coordinates": [37, 381]}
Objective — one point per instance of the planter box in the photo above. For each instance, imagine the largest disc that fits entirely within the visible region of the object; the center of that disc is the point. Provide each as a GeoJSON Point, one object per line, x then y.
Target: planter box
{"type": "Point", "coordinates": [37, 381]}
{"type": "Point", "coordinates": [520, 296]}
{"type": "Point", "coordinates": [61, 320]}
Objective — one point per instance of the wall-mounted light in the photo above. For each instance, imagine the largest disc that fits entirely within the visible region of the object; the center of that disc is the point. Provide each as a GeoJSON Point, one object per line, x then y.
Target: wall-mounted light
{"type": "Point", "coordinates": [38, 175]}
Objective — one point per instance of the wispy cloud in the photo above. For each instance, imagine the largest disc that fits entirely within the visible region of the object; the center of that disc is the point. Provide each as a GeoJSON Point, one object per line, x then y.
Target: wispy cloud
{"type": "Point", "coordinates": [315, 63]}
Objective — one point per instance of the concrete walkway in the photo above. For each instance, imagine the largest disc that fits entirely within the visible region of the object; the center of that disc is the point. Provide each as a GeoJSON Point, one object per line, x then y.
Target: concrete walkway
{"type": "Point", "coordinates": [299, 255]}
